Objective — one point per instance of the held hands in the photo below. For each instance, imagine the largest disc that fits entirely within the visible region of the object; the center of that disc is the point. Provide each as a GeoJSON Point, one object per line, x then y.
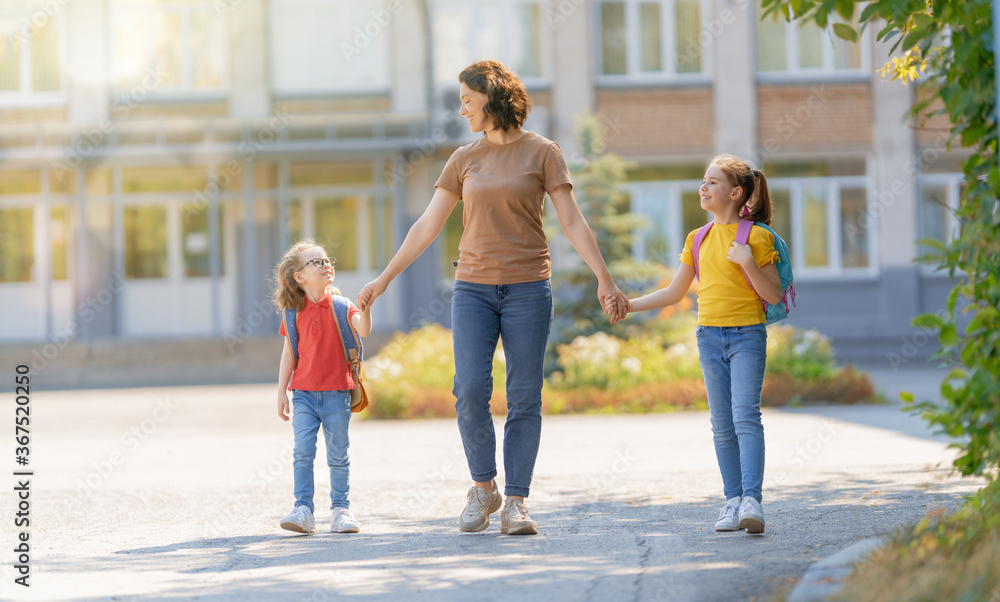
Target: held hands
{"type": "Point", "coordinates": [740, 254]}
{"type": "Point", "coordinates": [614, 302]}
{"type": "Point", "coordinates": [370, 292]}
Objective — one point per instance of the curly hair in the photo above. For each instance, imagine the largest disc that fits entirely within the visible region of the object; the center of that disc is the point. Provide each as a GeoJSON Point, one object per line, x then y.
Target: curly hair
{"type": "Point", "coordinates": [755, 191]}
{"type": "Point", "coordinates": [287, 293]}
{"type": "Point", "coordinates": [507, 100]}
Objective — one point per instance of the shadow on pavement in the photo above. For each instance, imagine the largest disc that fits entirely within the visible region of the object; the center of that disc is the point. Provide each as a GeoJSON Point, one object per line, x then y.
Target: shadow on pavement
{"type": "Point", "coordinates": [641, 547]}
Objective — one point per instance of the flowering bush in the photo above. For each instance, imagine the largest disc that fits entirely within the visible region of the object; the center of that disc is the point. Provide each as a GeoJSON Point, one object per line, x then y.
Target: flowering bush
{"type": "Point", "coordinates": [650, 371]}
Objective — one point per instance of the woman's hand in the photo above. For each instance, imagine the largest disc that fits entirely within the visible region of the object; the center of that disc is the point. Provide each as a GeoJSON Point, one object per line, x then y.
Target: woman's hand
{"type": "Point", "coordinates": [370, 292]}
{"type": "Point", "coordinates": [614, 302]}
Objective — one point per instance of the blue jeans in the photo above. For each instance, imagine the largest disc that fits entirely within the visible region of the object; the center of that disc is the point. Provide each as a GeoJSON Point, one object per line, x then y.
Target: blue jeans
{"type": "Point", "coordinates": [332, 411]}
{"type": "Point", "coordinates": [520, 315]}
{"type": "Point", "coordinates": [732, 362]}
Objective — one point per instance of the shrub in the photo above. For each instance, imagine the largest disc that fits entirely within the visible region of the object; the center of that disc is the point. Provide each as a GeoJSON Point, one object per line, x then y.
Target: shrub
{"type": "Point", "coordinates": [654, 370]}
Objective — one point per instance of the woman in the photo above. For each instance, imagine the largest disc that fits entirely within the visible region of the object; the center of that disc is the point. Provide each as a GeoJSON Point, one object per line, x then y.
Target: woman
{"type": "Point", "coordinates": [502, 286]}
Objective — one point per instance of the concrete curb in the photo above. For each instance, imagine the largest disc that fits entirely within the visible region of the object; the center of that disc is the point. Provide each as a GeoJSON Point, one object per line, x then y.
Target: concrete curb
{"type": "Point", "coordinates": [825, 578]}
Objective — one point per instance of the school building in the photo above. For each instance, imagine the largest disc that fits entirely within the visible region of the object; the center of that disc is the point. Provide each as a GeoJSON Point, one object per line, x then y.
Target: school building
{"type": "Point", "coordinates": [157, 156]}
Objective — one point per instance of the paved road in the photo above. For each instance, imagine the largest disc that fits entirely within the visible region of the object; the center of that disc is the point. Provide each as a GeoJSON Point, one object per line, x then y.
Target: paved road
{"type": "Point", "coordinates": [176, 493]}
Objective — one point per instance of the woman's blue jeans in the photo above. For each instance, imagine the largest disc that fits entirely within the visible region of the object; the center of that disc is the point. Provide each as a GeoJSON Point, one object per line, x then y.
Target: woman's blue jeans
{"type": "Point", "coordinates": [520, 315]}
{"type": "Point", "coordinates": [332, 411]}
{"type": "Point", "coordinates": [732, 362]}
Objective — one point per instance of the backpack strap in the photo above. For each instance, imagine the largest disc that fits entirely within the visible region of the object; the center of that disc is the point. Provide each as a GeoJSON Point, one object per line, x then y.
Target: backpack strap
{"type": "Point", "coordinates": [353, 349]}
{"type": "Point", "coordinates": [288, 319]}
{"type": "Point", "coordinates": [696, 244]}
{"type": "Point", "coordinates": [743, 237]}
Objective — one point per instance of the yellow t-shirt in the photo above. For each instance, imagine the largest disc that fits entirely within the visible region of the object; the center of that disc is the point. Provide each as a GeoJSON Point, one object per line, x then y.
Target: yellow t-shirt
{"type": "Point", "coordinates": [503, 188]}
{"type": "Point", "coordinates": [724, 297]}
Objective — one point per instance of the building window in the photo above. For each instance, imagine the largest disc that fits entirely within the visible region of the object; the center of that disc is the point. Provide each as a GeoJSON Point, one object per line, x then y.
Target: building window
{"type": "Point", "coordinates": [803, 49]}
{"type": "Point", "coordinates": [30, 50]}
{"type": "Point", "coordinates": [58, 239]}
{"type": "Point", "coordinates": [173, 47]}
{"type": "Point", "coordinates": [17, 243]}
{"type": "Point", "coordinates": [513, 36]}
{"type": "Point", "coordinates": [824, 219]}
{"type": "Point", "coordinates": [650, 40]}
{"type": "Point", "coordinates": [939, 196]}
{"type": "Point", "coordinates": [146, 241]}
{"type": "Point", "coordinates": [318, 46]}
{"type": "Point", "coordinates": [196, 240]}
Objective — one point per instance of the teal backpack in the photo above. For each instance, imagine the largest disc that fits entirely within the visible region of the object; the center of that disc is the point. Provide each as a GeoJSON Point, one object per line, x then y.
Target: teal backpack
{"type": "Point", "coordinates": [774, 313]}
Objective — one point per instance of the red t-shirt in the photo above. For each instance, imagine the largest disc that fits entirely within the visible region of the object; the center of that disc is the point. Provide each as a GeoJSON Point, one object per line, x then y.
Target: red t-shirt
{"type": "Point", "coordinates": [322, 365]}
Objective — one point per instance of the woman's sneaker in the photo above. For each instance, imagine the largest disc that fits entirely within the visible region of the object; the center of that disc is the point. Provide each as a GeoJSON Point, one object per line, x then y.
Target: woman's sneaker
{"type": "Point", "coordinates": [480, 505]}
{"type": "Point", "coordinates": [300, 520]}
{"type": "Point", "coordinates": [729, 516]}
{"type": "Point", "coordinates": [344, 522]}
{"type": "Point", "coordinates": [751, 516]}
{"type": "Point", "coordinates": [514, 519]}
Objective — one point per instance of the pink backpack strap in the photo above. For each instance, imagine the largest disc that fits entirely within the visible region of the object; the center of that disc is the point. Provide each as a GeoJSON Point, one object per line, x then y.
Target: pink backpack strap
{"type": "Point", "coordinates": [696, 244]}
{"type": "Point", "coordinates": [743, 237]}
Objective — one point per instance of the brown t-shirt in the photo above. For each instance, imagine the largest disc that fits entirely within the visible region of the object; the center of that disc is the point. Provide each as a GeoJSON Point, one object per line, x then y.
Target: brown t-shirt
{"type": "Point", "coordinates": [503, 187]}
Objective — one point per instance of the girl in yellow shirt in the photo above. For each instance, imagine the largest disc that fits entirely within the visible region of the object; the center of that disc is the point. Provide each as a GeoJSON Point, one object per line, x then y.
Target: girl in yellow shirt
{"type": "Point", "coordinates": [732, 339]}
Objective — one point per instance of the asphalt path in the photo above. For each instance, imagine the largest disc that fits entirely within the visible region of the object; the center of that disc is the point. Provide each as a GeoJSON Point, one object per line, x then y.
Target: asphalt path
{"type": "Point", "coordinates": [176, 493]}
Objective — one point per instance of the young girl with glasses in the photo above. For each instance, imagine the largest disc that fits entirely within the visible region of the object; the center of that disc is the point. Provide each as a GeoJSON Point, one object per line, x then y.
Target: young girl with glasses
{"type": "Point", "coordinates": [321, 381]}
{"type": "Point", "coordinates": [732, 339]}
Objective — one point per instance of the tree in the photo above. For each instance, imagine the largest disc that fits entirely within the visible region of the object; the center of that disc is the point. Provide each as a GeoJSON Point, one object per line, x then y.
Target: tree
{"type": "Point", "coordinates": [948, 46]}
{"type": "Point", "coordinates": [597, 185]}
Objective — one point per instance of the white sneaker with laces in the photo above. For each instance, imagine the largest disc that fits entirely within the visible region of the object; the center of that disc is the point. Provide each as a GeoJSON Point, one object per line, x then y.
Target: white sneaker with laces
{"type": "Point", "coordinates": [344, 522]}
{"type": "Point", "coordinates": [480, 505]}
{"type": "Point", "coordinates": [751, 516]}
{"type": "Point", "coordinates": [728, 516]}
{"type": "Point", "coordinates": [300, 520]}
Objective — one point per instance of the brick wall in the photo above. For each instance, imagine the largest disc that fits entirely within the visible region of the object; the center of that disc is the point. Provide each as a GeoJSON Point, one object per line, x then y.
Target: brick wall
{"type": "Point", "coordinates": [660, 121]}
{"type": "Point", "coordinates": [815, 117]}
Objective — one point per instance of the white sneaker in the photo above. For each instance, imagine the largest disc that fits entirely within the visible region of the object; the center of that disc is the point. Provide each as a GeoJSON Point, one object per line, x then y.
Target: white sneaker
{"type": "Point", "coordinates": [300, 520]}
{"type": "Point", "coordinates": [751, 516]}
{"type": "Point", "coordinates": [480, 505]}
{"type": "Point", "coordinates": [728, 517]}
{"type": "Point", "coordinates": [514, 519]}
{"type": "Point", "coordinates": [344, 522]}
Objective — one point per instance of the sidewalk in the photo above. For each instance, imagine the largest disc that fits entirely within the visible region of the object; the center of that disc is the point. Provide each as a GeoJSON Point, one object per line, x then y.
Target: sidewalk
{"type": "Point", "coordinates": [176, 493]}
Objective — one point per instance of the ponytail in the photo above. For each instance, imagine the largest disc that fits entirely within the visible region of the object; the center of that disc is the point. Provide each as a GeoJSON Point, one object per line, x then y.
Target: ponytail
{"type": "Point", "coordinates": [755, 204]}
{"type": "Point", "coordinates": [760, 200]}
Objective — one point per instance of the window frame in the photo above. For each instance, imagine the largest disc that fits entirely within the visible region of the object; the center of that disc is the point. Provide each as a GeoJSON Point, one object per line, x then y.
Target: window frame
{"type": "Point", "coordinates": [185, 91]}
{"type": "Point", "coordinates": [337, 91]}
{"type": "Point", "coordinates": [795, 186]}
{"type": "Point", "coordinates": [634, 75]}
{"type": "Point", "coordinates": [828, 71]}
{"type": "Point", "coordinates": [444, 82]}
{"type": "Point", "coordinates": [24, 96]}
{"type": "Point", "coordinates": [952, 183]}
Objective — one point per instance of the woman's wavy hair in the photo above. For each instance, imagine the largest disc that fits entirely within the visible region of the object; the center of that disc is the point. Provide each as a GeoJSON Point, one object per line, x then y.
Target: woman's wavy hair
{"type": "Point", "coordinates": [755, 202]}
{"type": "Point", "coordinates": [287, 293]}
{"type": "Point", "coordinates": [507, 100]}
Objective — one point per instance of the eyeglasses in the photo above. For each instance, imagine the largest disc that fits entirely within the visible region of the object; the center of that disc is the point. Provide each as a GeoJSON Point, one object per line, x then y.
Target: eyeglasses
{"type": "Point", "coordinates": [319, 262]}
